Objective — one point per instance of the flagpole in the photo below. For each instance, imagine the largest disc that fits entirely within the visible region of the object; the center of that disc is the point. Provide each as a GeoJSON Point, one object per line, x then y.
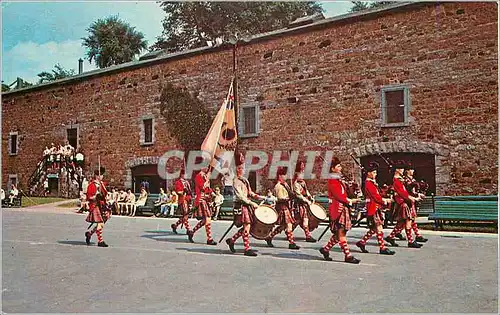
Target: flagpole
{"type": "Point", "coordinates": [235, 83]}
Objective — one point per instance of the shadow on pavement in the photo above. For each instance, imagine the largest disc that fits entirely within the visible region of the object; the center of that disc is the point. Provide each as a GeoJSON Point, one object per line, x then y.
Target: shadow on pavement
{"type": "Point", "coordinates": [208, 250]}
{"type": "Point", "coordinates": [162, 238]}
{"type": "Point", "coordinates": [74, 242]}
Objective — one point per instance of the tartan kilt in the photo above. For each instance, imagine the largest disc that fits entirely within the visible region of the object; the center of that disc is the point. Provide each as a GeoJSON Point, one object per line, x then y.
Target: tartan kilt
{"type": "Point", "coordinates": [299, 212]}
{"type": "Point", "coordinates": [204, 210]}
{"type": "Point", "coordinates": [183, 208]}
{"type": "Point", "coordinates": [403, 211]}
{"type": "Point", "coordinates": [375, 220]}
{"type": "Point", "coordinates": [243, 215]}
{"type": "Point", "coordinates": [284, 214]}
{"type": "Point", "coordinates": [95, 215]}
{"type": "Point", "coordinates": [343, 221]}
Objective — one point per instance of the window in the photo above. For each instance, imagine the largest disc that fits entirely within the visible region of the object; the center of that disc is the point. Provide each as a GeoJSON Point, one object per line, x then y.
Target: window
{"type": "Point", "coordinates": [147, 131]}
{"type": "Point", "coordinates": [249, 121]}
{"type": "Point", "coordinates": [72, 136]}
{"type": "Point", "coordinates": [13, 143]}
{"type": "Point", "coordinates": [395, 105]}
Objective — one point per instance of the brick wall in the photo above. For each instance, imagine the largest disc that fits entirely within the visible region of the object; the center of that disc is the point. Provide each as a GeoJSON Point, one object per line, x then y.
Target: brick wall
{"type": "Point", "coordinates": [445, 53]}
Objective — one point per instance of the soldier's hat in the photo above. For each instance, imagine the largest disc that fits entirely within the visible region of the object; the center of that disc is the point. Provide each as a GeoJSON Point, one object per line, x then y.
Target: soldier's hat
{"type": "Point", "coordinates": [239, 159]}
{"type": "Point", "coordinates": [409, 166]}
{"type": "Point", "coordinates": [372, 166]}
{"type": "Point", "coordinates": [281, 171]}
{"type": "Point", "coordinates": [103, 170]}
{"type": "Point", "coordinates": [335, 162]}
{"type": "Point", "coordinates": [300, 167]}
{"type": "Point", "coordinates": [399, 164]}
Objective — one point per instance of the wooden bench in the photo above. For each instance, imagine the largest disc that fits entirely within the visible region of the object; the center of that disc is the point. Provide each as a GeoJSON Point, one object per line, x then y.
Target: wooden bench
{"type": "Point", "coordinates": [16, 202]}
{"type": "Point", "coordinates": [464, 208]}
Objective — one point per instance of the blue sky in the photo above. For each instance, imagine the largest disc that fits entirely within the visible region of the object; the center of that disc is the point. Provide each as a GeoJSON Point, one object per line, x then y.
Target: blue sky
{"type": "Point", "coordinates": [37, 35]}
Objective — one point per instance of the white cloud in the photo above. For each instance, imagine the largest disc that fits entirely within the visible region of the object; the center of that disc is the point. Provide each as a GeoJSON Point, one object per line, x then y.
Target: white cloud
{"type": "Point", "coordinates": [27, 59]}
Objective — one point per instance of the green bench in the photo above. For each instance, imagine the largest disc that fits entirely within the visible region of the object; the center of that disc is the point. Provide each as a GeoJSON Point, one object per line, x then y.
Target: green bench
{"type": "Point", "coordinates": [149, 207]}
{"type": "Point", "coordinates": [464, 208]}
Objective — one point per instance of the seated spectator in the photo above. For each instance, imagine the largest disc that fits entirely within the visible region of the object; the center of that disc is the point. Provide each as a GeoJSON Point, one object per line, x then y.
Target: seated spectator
{"type": "Point", "coordinates": [162, 200]}
{"type": "Point", "coordinates": [122, 202]}
{"type": "Point", "coordinates": [84, 204]}
{"type": "Point", "coordinates": [169, 208]}
{"type": "Point", "coordinates": [109, 198]}
{"type": "Point", "coordinates": [13, 193]}
{"type": "Point", "coordinates": [218, 200]}
{"type": "Point", "coordinates": [270, 199]}
{"type": "Point", "coordinates": [141, 201]}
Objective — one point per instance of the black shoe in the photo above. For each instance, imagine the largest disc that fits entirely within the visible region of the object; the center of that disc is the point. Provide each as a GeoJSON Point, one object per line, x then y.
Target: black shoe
{"type": "Point", "coordinates": [391, 241]}
{"type": "Point", "coordinates": [174, 228]}
{"type": "Point", "coordinates": [269, 242]}
{"type": "Point", "coordinates": [87, 237]}
{"type": "Point", "coordinates": [362, 247]}
{"type": "Point", "coordinates": [230, 243]}
{"type": "Point", "coordinates": [421, 239]}
{"type": "Point", "coordinates": [325, 254]}
{"type": "Point", "coordinates": [400, 236]}
{"type": "Point", "coordinates": [211, 242]}
{"type": "Point", "coordinates": [250, 253]}
{"type": "Point", "coordinates": [414, 245]}
{"type": "Point", "coordinates": [293, 246]}
{"type": "Point", "coordinates": [102, 244]}
{"type": "Point", "coordinates": [352, 260]}
{"type": "Point", "coordinates": [190, 236]}
{"type": "Point", "coordinates": [387, 251]}
{"type": "Point", "coordinates": [311, 239]}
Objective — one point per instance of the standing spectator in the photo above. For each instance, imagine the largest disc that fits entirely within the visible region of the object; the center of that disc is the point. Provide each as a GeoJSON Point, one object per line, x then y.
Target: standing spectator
{"type": "Point", "coordinates": [218, 201]}
{"type": "Point", "coordinates": [145, 185]}
{"type": "Point", "coordinates": [228, 183]}
{"type": "Point", "coordinates": [270, 199]}
{"type": "Point", "coordinates": [46, 187]}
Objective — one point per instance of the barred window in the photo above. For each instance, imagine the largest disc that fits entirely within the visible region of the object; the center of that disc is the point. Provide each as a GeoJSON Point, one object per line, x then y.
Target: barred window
{"type": "Point", "coordinates": [13, 143]}
{"type": "Point", "coordinates": [249, 121]}
{"type": "Point", "coordinates": [147, 131]}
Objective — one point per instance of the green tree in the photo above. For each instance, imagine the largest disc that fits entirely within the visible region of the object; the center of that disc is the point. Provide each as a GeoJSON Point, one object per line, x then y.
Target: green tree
{"type": "Point", "coordinates": [365, 5]}
{"type": "Point", "coordinates": [112, 41]}
{"type": "Point", "coordinates": [191, 24]}
{"type": "Point", "coordinates": [57, 73]}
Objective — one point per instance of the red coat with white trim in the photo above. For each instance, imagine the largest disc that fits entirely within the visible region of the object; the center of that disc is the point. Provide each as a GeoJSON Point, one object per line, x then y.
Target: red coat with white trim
{"type": "Point", "coordinates": [401, 194]}
{"type": "Point", "coordinates": [337, 193]}
{"type": "Point", "coordinates": [373, 198]}
{"type": "Point", "coordinates": [183, 190]}
{"type": "Point", "coordinates": [200, 189]}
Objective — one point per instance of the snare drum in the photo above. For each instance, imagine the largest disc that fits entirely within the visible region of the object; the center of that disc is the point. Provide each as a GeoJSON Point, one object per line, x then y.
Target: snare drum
{"type": "Point", "coordinates": [317, 214]}
{"type": "Point", "coordinates": [264, 219]}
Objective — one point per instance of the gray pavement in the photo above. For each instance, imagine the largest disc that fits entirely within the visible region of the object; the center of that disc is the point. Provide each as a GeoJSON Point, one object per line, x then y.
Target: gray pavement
{"type": "Point", "coordinates": [48, 268]}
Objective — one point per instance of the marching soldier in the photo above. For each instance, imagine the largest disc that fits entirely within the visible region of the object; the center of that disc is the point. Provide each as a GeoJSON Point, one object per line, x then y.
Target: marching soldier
{"type": "Point", "coordinates": [96, 197]}
{"type": "Point", "coordinates": [412, 188]}
{"type": "Point", "coordinates": [183, 191]}
{"type": "Point", "coordinates": [302, 201]}
{"type": "Point", "coordinates": [374, 202]}
{"type": "Point", "coordinates": [340, 221]}
{"type": "Point", "coordinates": [243, 207]}
{"type": "Point", "coordinates": [203, 195]}
{"type": "Point", "coordinates": [404, 213]}
{"type": "Point", "coordinates": [285, 220]}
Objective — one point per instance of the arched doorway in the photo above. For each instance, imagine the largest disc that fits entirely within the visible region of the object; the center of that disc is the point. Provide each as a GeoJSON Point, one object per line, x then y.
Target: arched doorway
{"type": "Point", "coordinates": [423, 163]}
{"type": "Point", "coordinates": [147, 175]}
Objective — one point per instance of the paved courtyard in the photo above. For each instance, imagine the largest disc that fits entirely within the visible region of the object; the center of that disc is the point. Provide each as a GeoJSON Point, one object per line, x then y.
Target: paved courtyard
{"type": "Point", "coordinates": [48, 268]}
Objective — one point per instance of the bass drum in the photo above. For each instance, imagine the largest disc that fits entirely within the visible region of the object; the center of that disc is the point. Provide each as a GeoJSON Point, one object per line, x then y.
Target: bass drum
{"type": "Point", "coordinates": [317, 214]}
{"type": "Point", "coordinates": [264, 219]}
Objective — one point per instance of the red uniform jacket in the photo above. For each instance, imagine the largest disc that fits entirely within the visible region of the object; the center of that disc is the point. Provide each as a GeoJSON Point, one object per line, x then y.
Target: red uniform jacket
{"type": "Point", "coordinates": [183, 190]}
{"type": "Point", "coordinates": [337, 194]}
{"type": "Point", "coordinates": [401, 195]}
{"type": "Point", "coordinates": [92, 189]}
{"type": "Point", "coordinates": [199, 183]}
{"type": "Point", "coordinates": [373, 198]}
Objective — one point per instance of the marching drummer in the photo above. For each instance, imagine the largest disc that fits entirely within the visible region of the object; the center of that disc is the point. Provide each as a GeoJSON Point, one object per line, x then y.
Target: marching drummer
{"type": "Point", "coordinates": [340, 221]}
{"type": "Point", "coordinates": [302, 201]}
{"type": "Point", "coordinates": [243, 207]}
{"type": "Point", "coordinates": [282, 192]}
{"type": "Point", "coordinates": [374, 203]}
